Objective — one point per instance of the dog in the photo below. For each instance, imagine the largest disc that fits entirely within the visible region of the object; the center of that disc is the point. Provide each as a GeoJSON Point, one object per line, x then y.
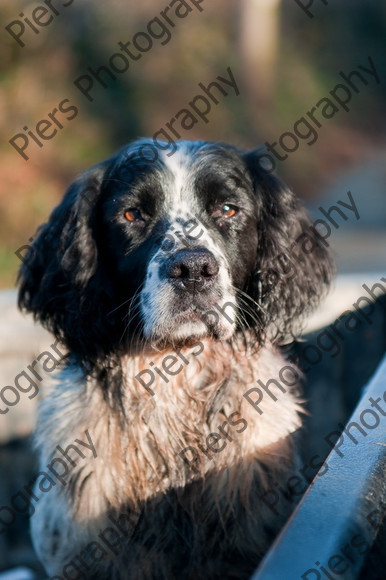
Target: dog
{"type": "Point", "coordinates": [161, 276]}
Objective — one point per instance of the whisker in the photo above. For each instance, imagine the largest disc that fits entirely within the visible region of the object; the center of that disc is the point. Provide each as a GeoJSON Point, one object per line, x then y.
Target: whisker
{"type": "Point", "coordinates": [131, 299]}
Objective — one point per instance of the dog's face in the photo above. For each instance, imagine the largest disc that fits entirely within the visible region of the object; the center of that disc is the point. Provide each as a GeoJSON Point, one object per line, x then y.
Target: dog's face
{"type": "Point", "coordinates": [180, 234]}
{"type": "Point", "coordinates": [170, 250]}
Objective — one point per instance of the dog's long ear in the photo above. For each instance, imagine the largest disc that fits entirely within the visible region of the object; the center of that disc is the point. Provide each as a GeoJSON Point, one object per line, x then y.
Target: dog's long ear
{"type": "Point", "coordinates": [294, 267]}
{"type": "Point", "coordinates": [58, 278]}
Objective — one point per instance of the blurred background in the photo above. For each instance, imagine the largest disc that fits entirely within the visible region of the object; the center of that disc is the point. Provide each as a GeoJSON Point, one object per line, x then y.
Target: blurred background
{"type": "Point", "coordinates": [283, 61]}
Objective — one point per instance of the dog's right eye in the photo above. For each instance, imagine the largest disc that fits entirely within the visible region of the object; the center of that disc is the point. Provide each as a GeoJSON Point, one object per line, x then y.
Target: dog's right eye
{"type": "Point", "coordinates": [133, 215]}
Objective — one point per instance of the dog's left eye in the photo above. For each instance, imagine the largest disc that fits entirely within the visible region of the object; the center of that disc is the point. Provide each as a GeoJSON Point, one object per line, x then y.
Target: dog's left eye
{"type": "Point", "coordinates": [133, 215]}
{"type": "Point", "coordinates": [226, 210]}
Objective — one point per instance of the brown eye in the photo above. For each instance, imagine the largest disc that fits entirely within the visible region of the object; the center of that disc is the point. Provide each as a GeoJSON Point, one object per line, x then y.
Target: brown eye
{"type": "Point", "coordinates": [133, 215]}
{"type": "Point", "coordinates": [228, 210]}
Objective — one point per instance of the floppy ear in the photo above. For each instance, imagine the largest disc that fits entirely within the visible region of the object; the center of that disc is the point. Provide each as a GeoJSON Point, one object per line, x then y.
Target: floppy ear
{"type": "Point", "coordinates": [294, 268]}
{"type": "Point", "coordinates": [59, 279]}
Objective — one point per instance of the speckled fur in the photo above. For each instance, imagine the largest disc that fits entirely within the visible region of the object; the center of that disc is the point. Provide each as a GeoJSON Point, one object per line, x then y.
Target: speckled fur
{"type": "Point", "coordinates": [138, 465]}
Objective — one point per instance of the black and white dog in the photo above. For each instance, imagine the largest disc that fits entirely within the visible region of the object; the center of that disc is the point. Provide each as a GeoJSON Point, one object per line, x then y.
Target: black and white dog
{"type": "Point", "coordinates": [162, 279]}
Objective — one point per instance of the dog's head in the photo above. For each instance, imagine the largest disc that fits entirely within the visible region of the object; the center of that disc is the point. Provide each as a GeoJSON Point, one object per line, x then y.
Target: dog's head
{"type": "Point", "coordinates": [148, 249]}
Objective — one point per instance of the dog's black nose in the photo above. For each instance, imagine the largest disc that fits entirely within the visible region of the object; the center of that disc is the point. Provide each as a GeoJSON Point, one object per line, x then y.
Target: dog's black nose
{"type": "Point", "coordinates": [192, 270]}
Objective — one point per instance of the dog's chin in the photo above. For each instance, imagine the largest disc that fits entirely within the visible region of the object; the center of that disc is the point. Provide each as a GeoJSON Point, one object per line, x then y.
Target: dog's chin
{"type": "Point", "coordinates": [187, 328]}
